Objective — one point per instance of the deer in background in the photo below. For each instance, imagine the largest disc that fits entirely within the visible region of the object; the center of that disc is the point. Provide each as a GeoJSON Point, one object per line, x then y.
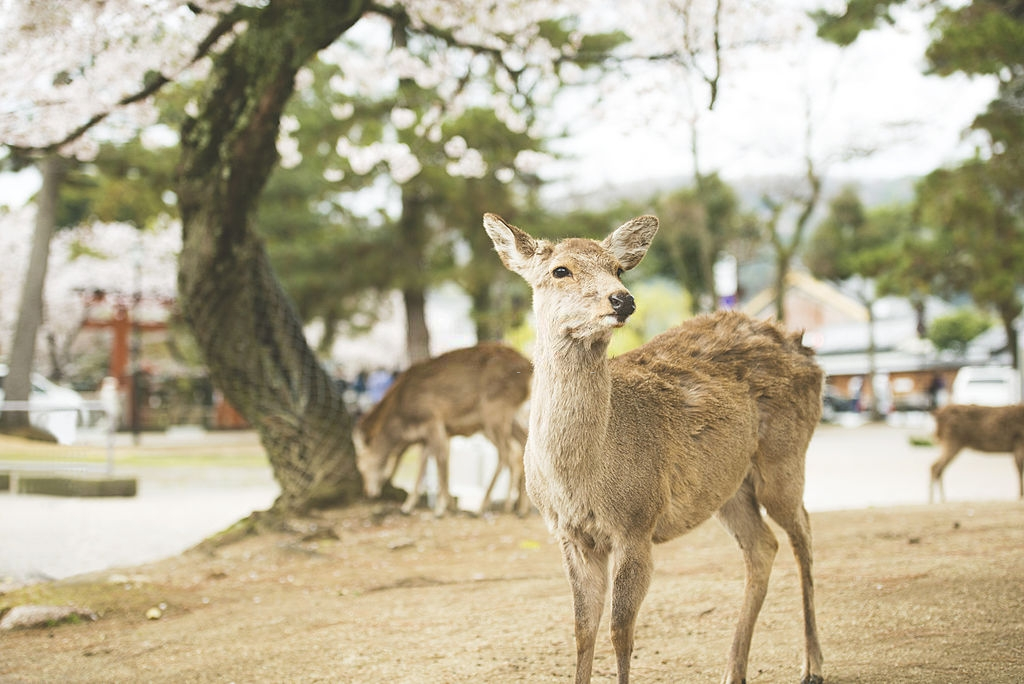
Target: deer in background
{"type": "Point", "coordinates": [462, 392]}
{"type": "Point", "coordinates": [710, 418]}
{"type": "Point", "coordinates": [991, 429]}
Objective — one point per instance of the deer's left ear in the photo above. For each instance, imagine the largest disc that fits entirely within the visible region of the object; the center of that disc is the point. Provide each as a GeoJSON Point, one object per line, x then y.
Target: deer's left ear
{"type": "Point", "coordinates": [515, 247]}
{"type": "Point", "coordinates": [630, 241]}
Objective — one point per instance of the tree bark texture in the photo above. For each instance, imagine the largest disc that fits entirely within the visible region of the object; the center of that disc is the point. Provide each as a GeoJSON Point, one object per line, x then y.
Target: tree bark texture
{"type": "Point", "coordinates": [248, 329]}
{"type": "Point", "coordinates": [18, 384]}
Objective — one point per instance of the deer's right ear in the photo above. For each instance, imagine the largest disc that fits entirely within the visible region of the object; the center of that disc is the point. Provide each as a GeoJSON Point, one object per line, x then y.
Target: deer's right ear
{"type": "Point", "coordinates": [514, 246]}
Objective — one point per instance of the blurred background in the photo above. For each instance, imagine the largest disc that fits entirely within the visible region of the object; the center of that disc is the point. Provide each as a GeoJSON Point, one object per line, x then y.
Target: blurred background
{"type": "Point", "coordinates": [849, 168]}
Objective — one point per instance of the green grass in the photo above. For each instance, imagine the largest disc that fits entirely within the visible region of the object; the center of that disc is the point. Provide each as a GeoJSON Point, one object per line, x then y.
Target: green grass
{"type": "Point", "coordinates": [233, 455]}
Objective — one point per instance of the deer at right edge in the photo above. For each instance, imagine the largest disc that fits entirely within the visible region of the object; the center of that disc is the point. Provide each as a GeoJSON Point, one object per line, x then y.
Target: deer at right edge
{"type": "Point", "coordinates": [710, 418]}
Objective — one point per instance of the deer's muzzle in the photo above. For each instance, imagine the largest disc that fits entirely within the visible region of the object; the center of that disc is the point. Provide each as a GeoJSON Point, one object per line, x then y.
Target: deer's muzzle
{"type": "Point", "coordinates": [622, 304]}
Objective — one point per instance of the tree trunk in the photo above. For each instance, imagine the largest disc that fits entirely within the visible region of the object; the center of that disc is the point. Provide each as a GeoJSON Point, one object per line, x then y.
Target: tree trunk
{"type": "Point", "coordinates": [417, 335]}
{"type": "Point", "coordinates": [250, 333]}
{"type": "Point", "coordinates": [1012, 339]}
{"type": "Point", "coordinates": [874, 412]}
{"type": "Point", "coordinates": [412, 256]}
{"type": "Point", "coordinates": [486, 322]}
{"type": "Point", "coordinates": [781, 276]}
{"type": "Point", "coordinates": [18, 384]}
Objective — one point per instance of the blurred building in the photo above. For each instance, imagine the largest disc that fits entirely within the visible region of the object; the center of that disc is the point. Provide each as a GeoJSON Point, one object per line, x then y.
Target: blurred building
{"type": "Point", "coordinates": [907, 365]}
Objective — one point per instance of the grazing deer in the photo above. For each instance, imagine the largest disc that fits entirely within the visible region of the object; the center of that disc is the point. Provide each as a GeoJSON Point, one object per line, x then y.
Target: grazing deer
{"type": "Point", "coordinates": [462, 392]}
{"type": "Point", "coordinates": [710, 418]}
{"type": "Point", "coordinates": [992, 429]}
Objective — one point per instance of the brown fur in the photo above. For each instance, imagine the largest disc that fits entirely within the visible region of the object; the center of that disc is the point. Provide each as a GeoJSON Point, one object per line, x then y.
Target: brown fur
{"type": "Point", "coordinates": [991, 429]}
{"type": "Point", "coordinates": [462, 392]}
{"type": "Point", "coordinates": [710, 418]}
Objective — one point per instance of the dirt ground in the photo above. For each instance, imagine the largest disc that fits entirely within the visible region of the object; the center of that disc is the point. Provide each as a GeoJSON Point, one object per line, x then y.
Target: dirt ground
{"type": "Point", "coordinates": [914, 594]}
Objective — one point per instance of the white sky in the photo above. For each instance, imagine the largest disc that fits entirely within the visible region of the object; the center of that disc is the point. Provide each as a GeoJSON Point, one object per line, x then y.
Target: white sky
{"type": "Point", "coordinates": [872, 94]}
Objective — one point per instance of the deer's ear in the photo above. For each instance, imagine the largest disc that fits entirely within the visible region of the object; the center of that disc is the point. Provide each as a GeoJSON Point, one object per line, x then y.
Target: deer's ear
{"type": "Point", "coordinates": [515, 246]}
{"type": "Point", "coordinates": [630, 241]}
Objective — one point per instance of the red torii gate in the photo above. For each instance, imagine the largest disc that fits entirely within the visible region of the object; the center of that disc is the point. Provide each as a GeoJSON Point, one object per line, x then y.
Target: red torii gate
{"type": "Point", "coordinates": [120, 349]}
{"type": "Point", "coordinates": [122, 326]}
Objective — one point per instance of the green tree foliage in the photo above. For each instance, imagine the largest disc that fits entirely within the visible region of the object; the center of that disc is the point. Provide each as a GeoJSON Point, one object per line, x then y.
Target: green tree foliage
{"type": "Point", "coordinates": [981, 237]}
{"type": "Point", "coordinates": [853, 243]}
{"type": "Point", "coordinates": [332, 259]}
{"type": "Point", "coordinates": [973, 216]}
{"type": "Point", "coordinates": [850, 241]}
{"type": "Point", "coordinates": [699, 224]}
{"type": "Point", "coordinates": [499, 300]}
{"type": "Point", "coordinates": [127, 182]}
{"type": "Point", "coordinates": [429, 232]}
{"type": "Point", "coordinates": [842, 28]}
{"type": "Point", "coordinates": [979, 37]}
{"type": "Point", "coordinates": [954, 330]}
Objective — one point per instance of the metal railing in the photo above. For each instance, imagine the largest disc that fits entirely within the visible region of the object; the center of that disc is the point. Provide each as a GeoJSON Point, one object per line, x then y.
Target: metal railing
{"type": "Point", "coordinates": [72, 417]}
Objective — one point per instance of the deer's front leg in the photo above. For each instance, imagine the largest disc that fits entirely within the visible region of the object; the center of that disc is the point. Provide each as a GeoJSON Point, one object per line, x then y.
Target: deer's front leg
{"type": "Point", "coordinates": [417, 486]}
{"type": "Point", "coordinates": [630, 581]}
{"type": "Point", "coordinates": [950, 449]}
{"type": "Point", "coordinates": [500, 443]}
{"type": "Point", "coordinates": [587, 568]}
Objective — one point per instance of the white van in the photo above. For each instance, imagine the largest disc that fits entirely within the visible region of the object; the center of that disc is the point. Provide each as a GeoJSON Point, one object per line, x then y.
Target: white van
{"type": "Point", "coordinates": [986, 386]}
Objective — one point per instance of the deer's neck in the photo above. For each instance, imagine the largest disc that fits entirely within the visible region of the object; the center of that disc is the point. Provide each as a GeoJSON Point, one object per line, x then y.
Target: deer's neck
{"type": "Point", "coordinates": [571, 399]}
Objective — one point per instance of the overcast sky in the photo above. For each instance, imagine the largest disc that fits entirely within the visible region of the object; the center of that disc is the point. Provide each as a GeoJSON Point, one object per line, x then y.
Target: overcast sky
{"type": "Point", "coordinates": [872, 94]}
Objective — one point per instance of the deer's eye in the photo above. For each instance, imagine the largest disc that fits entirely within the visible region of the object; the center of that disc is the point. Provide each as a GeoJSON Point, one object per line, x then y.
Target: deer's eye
{"type": "Point", "coordinates": [561, 272]}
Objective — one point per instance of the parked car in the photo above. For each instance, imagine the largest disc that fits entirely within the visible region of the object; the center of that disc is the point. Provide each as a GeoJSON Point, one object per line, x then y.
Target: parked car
{"type": "Point", "coordinates": [53, 408]}
{"type": "Point", "coordinates": [986, 386]}
{"type": "Point", "coordinates": [833, 404]}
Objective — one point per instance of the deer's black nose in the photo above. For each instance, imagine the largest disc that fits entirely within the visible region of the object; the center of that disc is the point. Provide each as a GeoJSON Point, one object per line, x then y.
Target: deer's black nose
{"type": "Point", "coordinates": [622, 304]}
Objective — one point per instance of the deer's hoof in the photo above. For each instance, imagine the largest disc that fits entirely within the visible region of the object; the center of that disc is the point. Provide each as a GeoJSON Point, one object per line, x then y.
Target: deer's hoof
{"type": "Point", "coordinates": [813, 679]}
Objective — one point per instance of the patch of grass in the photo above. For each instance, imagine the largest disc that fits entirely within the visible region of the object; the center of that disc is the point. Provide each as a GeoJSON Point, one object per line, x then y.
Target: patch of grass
{"type": "Point", "coordinates": [240, 455]}
{"type": "Point", "coordinates": [131, 597]}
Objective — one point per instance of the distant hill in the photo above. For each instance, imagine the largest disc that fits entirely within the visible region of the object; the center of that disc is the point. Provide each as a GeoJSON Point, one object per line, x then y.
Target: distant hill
{"type": "Point", "coordinates": [873, 191]}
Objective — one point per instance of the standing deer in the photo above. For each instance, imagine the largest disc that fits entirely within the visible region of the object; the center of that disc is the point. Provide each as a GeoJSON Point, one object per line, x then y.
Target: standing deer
{"type": "Point", "coordinates": [992, 429]}
{"type": "Point", "coordinates": [710, 418]}
{"type": "Point", "coordinates": [462, 392]}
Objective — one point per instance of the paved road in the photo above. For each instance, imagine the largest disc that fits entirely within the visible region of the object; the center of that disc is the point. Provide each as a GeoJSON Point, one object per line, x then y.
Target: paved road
{"type": "Point", "coordinates": [176, 507]}
{"type": "Point", "coordinates": [41, 537]}
{"type": "Point", "coordinates": [876, 465]}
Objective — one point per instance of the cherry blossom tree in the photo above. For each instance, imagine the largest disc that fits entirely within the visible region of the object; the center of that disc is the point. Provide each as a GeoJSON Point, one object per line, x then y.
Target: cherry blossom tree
{"type": "Point", "coordinates": [249, 58]}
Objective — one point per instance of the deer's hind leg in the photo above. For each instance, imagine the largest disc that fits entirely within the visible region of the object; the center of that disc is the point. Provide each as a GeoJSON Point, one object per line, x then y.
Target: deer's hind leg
{"type": "Point", "coordinates": [438, 443]}
{"type": "Point", "coordinates": [485, 503]}
{"type": "Point", "coordinates": [950, 449]}
{"type": "Point", "coordinates": [790, 514]}
{"type": "Point", "coordinates": [741, 516]}
{"type": "Point", "coordinates": [501, 437]}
